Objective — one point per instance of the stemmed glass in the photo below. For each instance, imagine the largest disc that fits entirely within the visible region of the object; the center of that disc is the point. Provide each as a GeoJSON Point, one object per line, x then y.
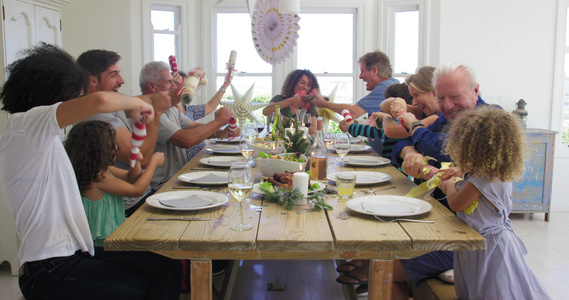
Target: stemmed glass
{"type": "Point", "coordinates": [342, 146]}
{"type": "Point", "coordinates": [307, 120]}
{"type": "Point", "coordinates": [247, 149]}
{"type": "Point", "coordinates": [240, 183]}
{"type": "Point", "coordinates": [260, 126]}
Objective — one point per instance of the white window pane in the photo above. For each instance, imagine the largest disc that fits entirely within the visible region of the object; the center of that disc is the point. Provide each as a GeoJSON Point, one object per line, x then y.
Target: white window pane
{"type": "Point", "coordinates": [164, 46]}
{"type": "Point", "coordinates": [328, 50]}
{"type": "Point", "coordinates": [162, 20]}
{"type": "Point", "coordinates": [345, 91]}
{"type": "Point", "coordinates": [234, 33]}
{"type": "Point", "coordinates": [262, 89]}
{"type": "Point", "coordinates": [406, 42]}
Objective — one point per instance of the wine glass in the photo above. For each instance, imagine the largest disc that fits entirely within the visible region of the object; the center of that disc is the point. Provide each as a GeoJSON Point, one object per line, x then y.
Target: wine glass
{"type": "Point", "coordinates": [307, 120]}
{"type": "Point", "coordinates": [240, 184]}
{"type": "Point", "coordinates": [342, 145]}
{"type": "Point", "coordinates": [247, 149]}
{"type": "Point", "coordinates": [260, 126]}
{"type": "Point", "coordinates": [329, 138]}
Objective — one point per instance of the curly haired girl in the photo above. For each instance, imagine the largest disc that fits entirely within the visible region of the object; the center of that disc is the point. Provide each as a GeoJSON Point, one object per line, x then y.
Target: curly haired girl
{"type": "Point", "coordinates": [489, 144]}
{"type": "Point", "coordinates": [91, 148]}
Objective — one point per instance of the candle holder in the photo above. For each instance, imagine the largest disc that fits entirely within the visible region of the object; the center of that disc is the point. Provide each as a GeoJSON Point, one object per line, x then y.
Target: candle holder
{"type": "Point", "coordinates": [521, 112]}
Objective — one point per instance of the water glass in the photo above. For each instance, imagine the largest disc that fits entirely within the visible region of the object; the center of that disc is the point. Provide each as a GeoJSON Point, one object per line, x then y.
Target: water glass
{"type": "Point", "coordinates": [345, 183]}
{"type": "Point", "coordinates": [342, 145]}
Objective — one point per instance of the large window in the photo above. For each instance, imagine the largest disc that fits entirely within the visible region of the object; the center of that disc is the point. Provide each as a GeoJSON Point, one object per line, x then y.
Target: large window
{"type": "Point", "coordinates": [403, 37]}
{"type": "Point", "coordinates": [329, 53]}
{"type": "Point", "coordinates": [234, 33]}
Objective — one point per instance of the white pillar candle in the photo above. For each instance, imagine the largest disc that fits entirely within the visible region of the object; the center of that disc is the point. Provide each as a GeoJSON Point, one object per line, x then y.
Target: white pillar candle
{"type": "Point", "coordinates": [300, 182]}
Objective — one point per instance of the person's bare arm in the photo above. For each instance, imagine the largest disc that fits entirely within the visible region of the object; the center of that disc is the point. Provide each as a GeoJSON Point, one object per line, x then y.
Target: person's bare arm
{"type": "Point", "coordinates": [355, 110]}
{"type": "Point", "coordinates": [79, 109]}
{"type": "Point", "coordinates": [194, 135]}
{"type": "Point", "coordinates": [295, 100]}
{"type": "Point", "coordinates": [213, 103]}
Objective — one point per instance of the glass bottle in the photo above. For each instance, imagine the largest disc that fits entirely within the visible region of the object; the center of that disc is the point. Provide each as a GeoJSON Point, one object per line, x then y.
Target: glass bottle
{"type": "Point", "coordinates": [278, 129]}
{"type": "Point", "coordinates": [319, 154]}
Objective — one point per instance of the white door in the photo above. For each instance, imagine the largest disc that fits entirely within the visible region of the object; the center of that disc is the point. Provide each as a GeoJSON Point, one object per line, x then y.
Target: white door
{"type": "Point", "coordinates": [48, 26]}
{"type": "Point", "coordinates": [19, 31]}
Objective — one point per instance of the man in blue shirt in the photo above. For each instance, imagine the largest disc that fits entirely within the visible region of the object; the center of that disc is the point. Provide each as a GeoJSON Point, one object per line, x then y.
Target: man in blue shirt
{"type": "Point", "coordinates": [376, 72]}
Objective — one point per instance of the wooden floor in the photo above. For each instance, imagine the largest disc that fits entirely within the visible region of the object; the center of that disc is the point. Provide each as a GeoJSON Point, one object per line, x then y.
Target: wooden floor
{"type": "Point", "coordinates": [547, 244]}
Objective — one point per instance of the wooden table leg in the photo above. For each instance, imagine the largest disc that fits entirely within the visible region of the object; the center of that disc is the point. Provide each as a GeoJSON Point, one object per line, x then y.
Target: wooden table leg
{"type": "Point", "coordinates": [200, 280]}
{"type": "Point", "coordinates": [380, 279]}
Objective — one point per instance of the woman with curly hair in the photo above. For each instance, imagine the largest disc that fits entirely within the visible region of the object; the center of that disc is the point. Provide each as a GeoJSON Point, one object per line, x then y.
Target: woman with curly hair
{"type": "Point", "coordinates": [488, 145]}
{"type": "Point", "coordinates": [92, 150]}
{"type": "Point", "coordinates": [289, 99]}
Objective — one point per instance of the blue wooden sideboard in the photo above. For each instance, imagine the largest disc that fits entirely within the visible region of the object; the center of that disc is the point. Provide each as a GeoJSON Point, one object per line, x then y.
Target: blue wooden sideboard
{"type": "Point", "coordinates": [532, 193]}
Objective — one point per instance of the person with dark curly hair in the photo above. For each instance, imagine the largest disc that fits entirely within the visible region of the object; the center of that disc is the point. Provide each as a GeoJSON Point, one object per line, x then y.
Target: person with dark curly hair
{"type": "Point", "coordinates": [488, 144]}
{"type": "Point", "coordinates": [43, 95]}
{"type": "Point", "coordinates": [289, 99]}
{"type": "Point", "coordinates": [92, 149]}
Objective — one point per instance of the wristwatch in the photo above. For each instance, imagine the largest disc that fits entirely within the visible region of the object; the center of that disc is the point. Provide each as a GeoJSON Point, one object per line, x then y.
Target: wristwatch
{"type": "Point", "coordinates": [416, 124]}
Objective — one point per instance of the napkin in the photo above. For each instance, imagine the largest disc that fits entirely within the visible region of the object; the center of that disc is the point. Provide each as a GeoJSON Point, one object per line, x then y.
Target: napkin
{"type": "Point", "coordinates": [389, 208]}
{"type": "Point", "coordinates": [234, 150]}
{"type": "Point", "coordinates": [362, 161]}
{"type": "Point", "coordinates": [210, 178]}
{"type": "Point", "coordinates": [186, 202]}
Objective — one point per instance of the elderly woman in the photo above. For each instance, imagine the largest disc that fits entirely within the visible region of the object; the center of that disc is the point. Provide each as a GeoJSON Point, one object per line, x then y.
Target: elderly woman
{"type": "Point", "coordinates": [290, 99]}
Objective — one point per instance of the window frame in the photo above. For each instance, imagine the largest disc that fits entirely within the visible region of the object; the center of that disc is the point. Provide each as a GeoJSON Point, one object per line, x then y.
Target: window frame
{"type": "Point", "coordinates": [177, 26]}
{"type": "Point", "coordinates": [356, 67]}
{"type": "Point", "coordinates": [562, 150]}
{"type": "Point", "coordinates": [388, 9]}
{"type": "Point", "coordinates": [183, 56]}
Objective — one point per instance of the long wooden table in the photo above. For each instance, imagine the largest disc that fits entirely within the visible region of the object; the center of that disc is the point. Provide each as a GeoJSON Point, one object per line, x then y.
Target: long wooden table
{"type": "Point", "coordinates": [280, 234]}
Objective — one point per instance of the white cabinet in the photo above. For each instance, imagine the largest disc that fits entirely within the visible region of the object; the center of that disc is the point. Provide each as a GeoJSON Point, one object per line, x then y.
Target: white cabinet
{"type": "Point", "coordinates": [24, 25]}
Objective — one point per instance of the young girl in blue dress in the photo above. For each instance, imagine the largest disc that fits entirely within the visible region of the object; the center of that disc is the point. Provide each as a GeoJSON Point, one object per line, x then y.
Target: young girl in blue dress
{"type": "Point", "coordinates": [488, 145]}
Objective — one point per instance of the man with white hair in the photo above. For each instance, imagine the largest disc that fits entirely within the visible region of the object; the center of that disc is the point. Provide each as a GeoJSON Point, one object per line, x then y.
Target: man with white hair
{"type": "Point", "coordinates": [177, 131]}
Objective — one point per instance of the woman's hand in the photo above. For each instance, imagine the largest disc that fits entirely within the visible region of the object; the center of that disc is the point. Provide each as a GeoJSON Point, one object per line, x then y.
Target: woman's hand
{"type": "Point", "coordinates": [295, 101]}
{"type": "Point", "coordinates": [407, 120]}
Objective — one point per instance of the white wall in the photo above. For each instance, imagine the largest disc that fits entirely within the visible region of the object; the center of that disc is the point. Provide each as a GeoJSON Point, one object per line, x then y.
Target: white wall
{"type": "Point", "coordinates": [510, 44]}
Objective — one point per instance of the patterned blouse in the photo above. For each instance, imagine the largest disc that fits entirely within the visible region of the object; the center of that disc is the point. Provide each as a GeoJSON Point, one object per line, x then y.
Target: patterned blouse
{"type": "Point", "coordinates": [194, 112]}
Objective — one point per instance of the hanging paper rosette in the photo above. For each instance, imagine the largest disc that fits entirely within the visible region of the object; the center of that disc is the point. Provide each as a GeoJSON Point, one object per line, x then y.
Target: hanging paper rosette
{"type": "Point", "coordinates": [274, 34]}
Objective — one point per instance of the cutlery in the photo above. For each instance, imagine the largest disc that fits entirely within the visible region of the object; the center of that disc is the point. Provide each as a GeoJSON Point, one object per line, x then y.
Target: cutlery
{"type": "Point", "coordinates": [203, 169]}
{"type": "Point", "coordinates": [377, 190]}
{"type": "Point", "coordinates": [405, 220]}
{"type": "Point", "coordinates": [205, 189]}
{"type": "Point", "coordinates": [179, 219]}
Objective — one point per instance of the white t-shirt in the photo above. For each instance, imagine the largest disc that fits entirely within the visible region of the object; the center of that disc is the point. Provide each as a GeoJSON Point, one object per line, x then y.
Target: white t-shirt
{"type": "Point", "coordinates": [40, 188]}
{"type": "Point", "coordinates": [174, 157]}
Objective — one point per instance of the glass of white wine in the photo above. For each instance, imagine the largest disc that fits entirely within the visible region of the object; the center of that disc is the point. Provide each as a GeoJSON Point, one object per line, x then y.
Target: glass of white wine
{"type": "Point", "coordinates": [240, 183]}
{"type": "Point", "coordinates": [247, 149]}
{"type": "Point", "coordinates": [342, 146]}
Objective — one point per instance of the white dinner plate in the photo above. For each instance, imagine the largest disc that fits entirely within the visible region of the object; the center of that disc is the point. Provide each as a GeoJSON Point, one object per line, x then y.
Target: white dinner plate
{"type": "Point", "coordinates": [359, 148]}
{"type": "Point", "coordinates": [223, 149]}
{"type": "Point", "coordinates": [205, 178]}
{"type": "Point", "coordinates": [216, 199]}
{"type": "Point", "coordinates": [389, 206]}
{"type": "Point", "coordinates": [363, 178]}
{"type": "Point", "coordinates": [226, 140]}
{"type": "Point", "coordinates": [221, 161]}
{"type": "Point", "coordinates": [365, 160]}
{"type": "Point", "coordinates": [321, 186]}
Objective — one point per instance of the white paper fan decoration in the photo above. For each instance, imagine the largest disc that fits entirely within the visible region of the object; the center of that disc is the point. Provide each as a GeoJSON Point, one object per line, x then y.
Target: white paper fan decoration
{"type": "Point", "coordinates": [274, 34]}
